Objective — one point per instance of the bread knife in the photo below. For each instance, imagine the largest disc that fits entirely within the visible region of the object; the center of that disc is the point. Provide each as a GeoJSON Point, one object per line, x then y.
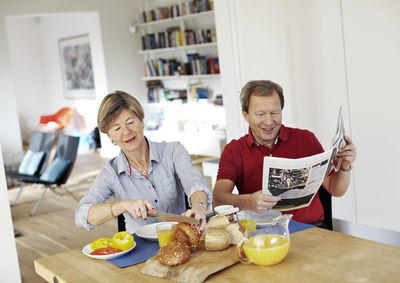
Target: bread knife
{"type": "Point", "coordinates": [165, 216]}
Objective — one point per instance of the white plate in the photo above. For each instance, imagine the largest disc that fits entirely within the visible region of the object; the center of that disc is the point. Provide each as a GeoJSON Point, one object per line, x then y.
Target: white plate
{"type": "Point", "coordinates": [86, 250]}
{"type": "Point", "coordinates": [244, 214]}
{"type": "Point", "coordinates": [149, 231]}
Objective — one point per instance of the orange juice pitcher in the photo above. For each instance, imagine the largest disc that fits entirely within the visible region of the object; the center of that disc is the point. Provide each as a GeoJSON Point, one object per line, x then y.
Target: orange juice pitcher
{"type": "Point", "coordinates": [266, 241]}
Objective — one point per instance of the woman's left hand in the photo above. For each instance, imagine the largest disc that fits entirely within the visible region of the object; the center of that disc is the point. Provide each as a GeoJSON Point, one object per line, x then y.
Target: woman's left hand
{"type": "Point", "coordinates": [200, 214]}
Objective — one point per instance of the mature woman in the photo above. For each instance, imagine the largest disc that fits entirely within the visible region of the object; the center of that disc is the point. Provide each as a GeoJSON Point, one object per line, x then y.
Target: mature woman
{"type": "Point", "coordinates": [144, 176]}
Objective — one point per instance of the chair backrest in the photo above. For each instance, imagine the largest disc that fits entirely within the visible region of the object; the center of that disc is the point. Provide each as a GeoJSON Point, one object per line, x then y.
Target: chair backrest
{"type": "Point", "coordinates": [42, 141]}
{"type": "Point", "coordinates": [326, 200]}
{"type": "Point", "coordinates": [67, 149]}
{"type": "Point", "coordinates": [62, 117]}
{"type": "Point", "coordinates": [121, 223]}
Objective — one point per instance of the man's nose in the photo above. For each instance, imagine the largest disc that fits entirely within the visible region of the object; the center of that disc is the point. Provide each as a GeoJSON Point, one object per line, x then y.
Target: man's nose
{"type": "Point", "coordinates": [268, 119]}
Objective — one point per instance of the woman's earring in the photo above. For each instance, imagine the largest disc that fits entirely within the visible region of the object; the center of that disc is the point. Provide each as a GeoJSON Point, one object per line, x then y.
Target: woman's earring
{"type": "Point", "coordinates": [113, 142]}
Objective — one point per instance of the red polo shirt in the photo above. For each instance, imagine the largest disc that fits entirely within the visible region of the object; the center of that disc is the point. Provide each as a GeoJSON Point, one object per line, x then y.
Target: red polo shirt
{"type": "Point", "coordinates": [242, 162]}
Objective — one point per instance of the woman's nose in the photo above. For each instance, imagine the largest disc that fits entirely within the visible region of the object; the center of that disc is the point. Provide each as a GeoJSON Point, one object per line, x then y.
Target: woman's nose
{"type": "Point", "coordinates": [126, 130]}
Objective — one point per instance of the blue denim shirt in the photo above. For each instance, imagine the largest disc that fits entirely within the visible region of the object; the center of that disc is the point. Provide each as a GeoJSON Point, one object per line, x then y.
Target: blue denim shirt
{"type": "Point", "coordinates": [171, 175]}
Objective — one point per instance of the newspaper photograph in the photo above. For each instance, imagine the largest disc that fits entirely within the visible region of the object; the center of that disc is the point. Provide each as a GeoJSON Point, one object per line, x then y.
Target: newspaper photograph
{"type": "Point", "coordinates": [296, 181]}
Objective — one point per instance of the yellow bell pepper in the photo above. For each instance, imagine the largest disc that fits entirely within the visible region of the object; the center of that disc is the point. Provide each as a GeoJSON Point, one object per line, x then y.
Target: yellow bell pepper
{"type": "Point", "coordinates": [122, 240]}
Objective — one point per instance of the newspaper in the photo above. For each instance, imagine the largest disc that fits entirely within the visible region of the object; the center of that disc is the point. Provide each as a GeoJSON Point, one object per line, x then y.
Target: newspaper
{"type": "Point", "coordinates": [296, 181]}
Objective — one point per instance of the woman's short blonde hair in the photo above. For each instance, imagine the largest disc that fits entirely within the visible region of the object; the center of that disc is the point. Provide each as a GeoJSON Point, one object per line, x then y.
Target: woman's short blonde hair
{"type": "Point", "coordinates": [113, 104]}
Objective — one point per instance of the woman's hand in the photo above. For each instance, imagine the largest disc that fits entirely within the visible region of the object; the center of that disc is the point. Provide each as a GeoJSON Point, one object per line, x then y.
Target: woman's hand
{"type": "Point", "coordinates": [198, 212]}
{"type": "Point", "coordinates": [138, 207]}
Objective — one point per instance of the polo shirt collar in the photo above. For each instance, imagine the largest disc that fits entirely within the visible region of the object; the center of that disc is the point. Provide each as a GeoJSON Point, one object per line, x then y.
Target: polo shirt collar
{"type": "Point", "coordinates": [282, 135]}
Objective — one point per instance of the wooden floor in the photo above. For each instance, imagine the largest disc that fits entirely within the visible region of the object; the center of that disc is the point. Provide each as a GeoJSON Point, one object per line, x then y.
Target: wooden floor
{"type": "Point", "coordinates": [52, 229]}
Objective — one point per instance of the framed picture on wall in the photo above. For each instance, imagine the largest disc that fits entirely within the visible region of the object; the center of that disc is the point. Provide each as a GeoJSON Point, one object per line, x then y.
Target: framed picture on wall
{"type": "Point", "coordinates": [76, 67]}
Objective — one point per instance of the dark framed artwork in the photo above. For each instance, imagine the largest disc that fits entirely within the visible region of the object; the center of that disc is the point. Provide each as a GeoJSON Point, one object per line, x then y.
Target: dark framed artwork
{"type": "Point", "coordinates": [76, 66]}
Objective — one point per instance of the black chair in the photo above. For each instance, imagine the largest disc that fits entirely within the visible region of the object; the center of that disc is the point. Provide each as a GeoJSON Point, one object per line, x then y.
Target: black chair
{"type": "Point", "coordinates": [40, 142]}
{"type": "Point", "coordinates": [67, 148]}
{"type": "Point", "coordinates": [326, 200]}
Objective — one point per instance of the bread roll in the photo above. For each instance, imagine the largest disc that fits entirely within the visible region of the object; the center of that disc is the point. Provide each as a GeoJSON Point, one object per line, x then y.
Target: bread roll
{"type": "Point", "coordinates": [184, 233]}
{"type": "Point", "coordinates": [236, 232]}
{"type": "Point", "coordinates": [217, 222]}
{"type": "Point", "coordinates": [216, 239]}
{"type": "Point", "coordinates": [173, 254]}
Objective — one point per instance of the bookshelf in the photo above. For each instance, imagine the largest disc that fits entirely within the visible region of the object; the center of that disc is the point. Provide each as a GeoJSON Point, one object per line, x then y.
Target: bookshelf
{"type": "Point", "coordinates": [178, 40]}
{"type": "Point", "coordinates": [181, 72]}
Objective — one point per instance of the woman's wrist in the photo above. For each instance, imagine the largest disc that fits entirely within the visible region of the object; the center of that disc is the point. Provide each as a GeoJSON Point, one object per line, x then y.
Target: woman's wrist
{"type": "Point", "coordinates": [200, 204]}
{"type": "Point", "coordinates": [117, 208]}
{"type": "Point", "coordinates": [111, 210]}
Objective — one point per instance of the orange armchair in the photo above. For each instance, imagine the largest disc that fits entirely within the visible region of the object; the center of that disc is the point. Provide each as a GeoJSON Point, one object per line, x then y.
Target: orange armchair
{"type": "Point", "coordinates": [60, 120]}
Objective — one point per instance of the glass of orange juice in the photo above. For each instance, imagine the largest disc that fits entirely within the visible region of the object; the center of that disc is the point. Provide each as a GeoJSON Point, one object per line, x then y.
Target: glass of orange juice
{"type": "Point", "coordinates": [165, 233]}
{"type": "Point", "coordinates": [265, 242]}
{"type": "Point", "coordinates": [245, 219]}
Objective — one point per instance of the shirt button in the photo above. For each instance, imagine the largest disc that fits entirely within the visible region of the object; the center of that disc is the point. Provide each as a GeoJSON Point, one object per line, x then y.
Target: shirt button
{"type": "Point", "coordinates": [156, 200]}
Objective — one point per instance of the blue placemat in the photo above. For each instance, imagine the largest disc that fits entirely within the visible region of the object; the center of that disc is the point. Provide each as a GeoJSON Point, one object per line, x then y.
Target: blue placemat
{"type": "Point", "coordinates": [145, 249]}
{"type": "Point", "coordinates": [295, 226]}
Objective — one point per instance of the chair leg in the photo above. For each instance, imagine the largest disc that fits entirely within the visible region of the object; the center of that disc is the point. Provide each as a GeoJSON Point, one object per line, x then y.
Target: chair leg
{"type": "Point", "coordinates": [68, 191]}
{"type": "Point", "coordinates": [74, 197]}
{"type": "Point", "coordinates": [38, 202]}
{"type": "Point", "coordinates": [19, 193]}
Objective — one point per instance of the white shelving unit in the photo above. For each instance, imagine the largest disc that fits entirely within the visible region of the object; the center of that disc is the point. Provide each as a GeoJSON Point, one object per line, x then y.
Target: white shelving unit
{"type": "Point", "coordinates": [185, 122]}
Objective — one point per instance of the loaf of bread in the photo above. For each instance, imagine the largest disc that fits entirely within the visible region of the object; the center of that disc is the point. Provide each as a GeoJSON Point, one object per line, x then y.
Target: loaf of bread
{"type": "Point", "coordinates": [173, 254]}
{"type": "Point", "coordinates": [217, 222]}
{"type": "Point", "coordinates": [236, 232]}
{"type": "Point", "coordinates": [216, 239]}
{"type": "Point", "coordinates": [184, 233]}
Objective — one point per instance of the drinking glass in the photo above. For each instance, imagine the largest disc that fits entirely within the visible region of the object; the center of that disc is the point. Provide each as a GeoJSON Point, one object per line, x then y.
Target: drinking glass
{"type": "Point", "coordinates": [165, 233]}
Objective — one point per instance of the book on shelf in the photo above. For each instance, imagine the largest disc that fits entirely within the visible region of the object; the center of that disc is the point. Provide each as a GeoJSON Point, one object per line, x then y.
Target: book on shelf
{"type": "Point", "coordinates": [153, 89]}
{"type": "Point", "coordinates": [197, 91]}
{"type": "Point", "coordinates": [173, 11]}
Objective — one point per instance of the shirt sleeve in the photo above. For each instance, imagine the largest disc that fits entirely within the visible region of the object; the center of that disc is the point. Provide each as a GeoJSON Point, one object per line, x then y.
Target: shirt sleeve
{"type": "Point", "coordinates": [191, 179]}
{"type": "Point", "coordinates": [228, 166]}
{"type": "Point", "coordinates": [100, 191]}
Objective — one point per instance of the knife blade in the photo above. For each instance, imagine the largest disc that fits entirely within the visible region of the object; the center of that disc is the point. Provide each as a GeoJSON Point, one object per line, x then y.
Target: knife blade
{"type": "Point", "coordinates": [165, 216]}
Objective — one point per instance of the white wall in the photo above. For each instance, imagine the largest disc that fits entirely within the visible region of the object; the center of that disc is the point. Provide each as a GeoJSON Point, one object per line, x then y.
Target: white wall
{"type": "Point", "coordinates": [120, 57]}
{"type": "Point", "coordinates": [372, 42]}
{"type": "Point", "coordinates": [28, 69]}
{"type": "Point", "coordinates": [9, 268]}
{"type": "Point", "coordinates": [58, 26]}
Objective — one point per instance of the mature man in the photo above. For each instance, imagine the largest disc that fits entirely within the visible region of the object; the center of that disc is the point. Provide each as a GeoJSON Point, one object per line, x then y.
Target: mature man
{"type": "Point", "coordinates": [241, 162]}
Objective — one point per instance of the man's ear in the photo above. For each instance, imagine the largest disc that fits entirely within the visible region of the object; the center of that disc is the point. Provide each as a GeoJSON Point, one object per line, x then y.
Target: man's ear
{"type": "Point", "coordinates": [245, 115]}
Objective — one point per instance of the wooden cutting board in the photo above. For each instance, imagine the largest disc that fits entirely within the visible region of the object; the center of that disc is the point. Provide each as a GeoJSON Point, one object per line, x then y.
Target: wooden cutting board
{"type": "Point", "coordinates": [200, 265]}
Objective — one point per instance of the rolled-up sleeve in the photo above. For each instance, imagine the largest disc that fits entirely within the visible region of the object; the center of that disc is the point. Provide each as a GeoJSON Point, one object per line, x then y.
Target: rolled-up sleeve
{"type": "Point", "coordinates": [191, 179]}
{"type": "Point", "coordinates": [100, 191]}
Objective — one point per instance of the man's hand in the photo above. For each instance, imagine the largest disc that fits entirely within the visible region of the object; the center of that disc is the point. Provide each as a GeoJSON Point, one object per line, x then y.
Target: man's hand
{"type": "Point", "coordinates": [348, 153]}
{"type": "Point", "coordinates": [260, 202]}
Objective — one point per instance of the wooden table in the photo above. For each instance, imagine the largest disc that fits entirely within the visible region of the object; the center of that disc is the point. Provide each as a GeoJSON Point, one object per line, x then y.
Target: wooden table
{"type": "Point", "coordinates": [316, 255]}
